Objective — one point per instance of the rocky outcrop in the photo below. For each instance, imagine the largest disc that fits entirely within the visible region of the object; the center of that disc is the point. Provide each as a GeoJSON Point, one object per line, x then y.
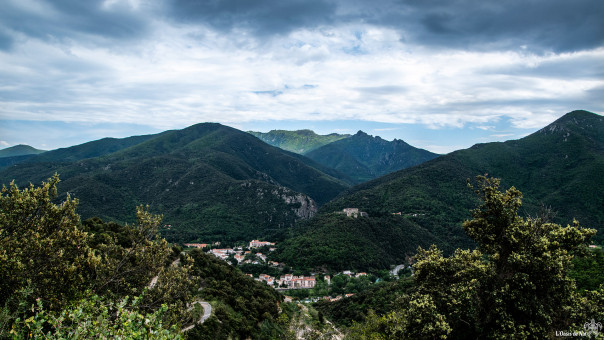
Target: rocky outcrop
{"type": "Point", "coordinates": [302, 205]}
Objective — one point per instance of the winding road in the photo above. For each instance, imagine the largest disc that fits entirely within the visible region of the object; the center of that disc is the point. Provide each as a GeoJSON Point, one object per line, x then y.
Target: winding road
{"type": "Point", "coordinates": [207, 308]}
{"type": "Point", "coordinates": [394, 272]}
{"type": "Point", "coordinates": [207, 311]}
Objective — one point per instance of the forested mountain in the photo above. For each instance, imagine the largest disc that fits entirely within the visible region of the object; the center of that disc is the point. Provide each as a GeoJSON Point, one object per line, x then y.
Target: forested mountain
{"type": "Point", "coordinates": [557, 166]}
{"type": "Point", "coordinates": [19, 150]}
{"type": "Point", "coordinates": [336, 242]}
{"type": "Point", "coordinates": [299, 141]}
{"type": "Point", "coordinates": [91, 149]}
{"type": "Point", "coordinates": [363, 157]}
{"type": "Point", "coordinates": [210, 181]}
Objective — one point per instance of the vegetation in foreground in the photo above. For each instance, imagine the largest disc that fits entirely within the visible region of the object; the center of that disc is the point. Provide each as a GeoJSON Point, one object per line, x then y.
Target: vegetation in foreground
{"type": "Point", "coordinates": [65, 279]}
{"type": "Point", "coordinates": [518, 283]}
{"type": "Point", "coordinates": [515, 285]}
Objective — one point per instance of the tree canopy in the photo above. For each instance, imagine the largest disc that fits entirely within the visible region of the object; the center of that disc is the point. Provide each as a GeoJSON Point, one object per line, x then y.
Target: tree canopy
{"type": "Point", "coordinates": [514, 285]}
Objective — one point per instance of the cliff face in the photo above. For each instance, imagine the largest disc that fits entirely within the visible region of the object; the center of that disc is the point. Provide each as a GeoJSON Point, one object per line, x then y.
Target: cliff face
{"type": "Point", "coordinates": [302, 205]}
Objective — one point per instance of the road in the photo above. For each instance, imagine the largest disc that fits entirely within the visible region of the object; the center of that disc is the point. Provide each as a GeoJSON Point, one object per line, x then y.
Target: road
{"type": "Point", "coordinates": [207, 308]}
{"type": "Point", "coordinates": [396, 269]}
{"type": "Point", "coordinates": [207, 311]}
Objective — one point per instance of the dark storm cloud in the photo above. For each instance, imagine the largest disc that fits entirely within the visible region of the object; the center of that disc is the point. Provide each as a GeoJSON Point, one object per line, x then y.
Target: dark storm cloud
{"type": "Point", "coordinates": [73, 19]}
{"type": "Point", "coordinates": [538, 25]}
{"type": "Point", "coordinates": [261, 17]}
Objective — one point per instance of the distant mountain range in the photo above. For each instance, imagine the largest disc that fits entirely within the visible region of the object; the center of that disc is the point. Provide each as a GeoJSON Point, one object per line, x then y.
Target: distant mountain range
{"type": "Point", "coordinates": [559, 167]}
{"type": "Point", "coordinates": [363, 157]}
{"type": "Point", "coordinates": [19, 150]}
{"type": "Point", "coordinates": [299, 141]}
{"type": "Point", "coordinates": [215, 183]}
{"type": "Point", "coordinates": [210, 181]}
{"type": "Point", "coordinates": [359, 157]}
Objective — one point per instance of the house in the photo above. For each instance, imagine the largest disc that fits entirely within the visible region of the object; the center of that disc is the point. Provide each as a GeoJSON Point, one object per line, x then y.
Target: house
{"type": "Point", "coordinates": [295, 282]}
{"type": "Point", "coordinates": [261, 256]}
{"type": "Point", "coordinates": [354, 212]}
{"type": "Point", "coordinates": [360, 274]}
{"type": "Point", "coordinates": [222, 253]}
{"type": "Point", "coordinates": [258, 244]}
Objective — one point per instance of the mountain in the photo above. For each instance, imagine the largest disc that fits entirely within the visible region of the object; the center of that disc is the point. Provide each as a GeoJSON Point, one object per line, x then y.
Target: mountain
{"type": "Point", "coordinates": [299, 141]}
{"type": "Point", "coordinates": [336, 242]}
{"type": "Point", "coordinates": [78, 152]}
{"type": "Point", "coordinates": [558, 167]}
{"type": "Point", "coordinates": [19, 150]}
{"type": "Point", "coordinates": [210, 181]}
{"type": "Point", "coordinates": [363, 157]}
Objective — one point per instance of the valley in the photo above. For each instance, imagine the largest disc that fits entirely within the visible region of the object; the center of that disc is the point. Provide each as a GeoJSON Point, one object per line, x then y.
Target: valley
{"type": "Point", "coordinates": [323, 220]}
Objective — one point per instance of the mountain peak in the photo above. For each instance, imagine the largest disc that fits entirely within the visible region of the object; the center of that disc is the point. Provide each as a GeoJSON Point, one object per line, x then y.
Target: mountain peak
{"type": "Point", "coordinates": [575, 119]}
{"type": "Point", "coordinates": [19, 150]}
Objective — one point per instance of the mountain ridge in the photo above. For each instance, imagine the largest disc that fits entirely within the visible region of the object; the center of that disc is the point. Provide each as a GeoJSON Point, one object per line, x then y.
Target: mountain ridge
{"type": "Point", "coordinates": [209, 180]}
{"type": "Point", "coordinates": [364, 157]}
{"type": "Point", "coordinates": [20, 150]}
{"type": "Point", "coordinates": [556, 169]}
{"type": "Point", "coordinates": [297, 141]}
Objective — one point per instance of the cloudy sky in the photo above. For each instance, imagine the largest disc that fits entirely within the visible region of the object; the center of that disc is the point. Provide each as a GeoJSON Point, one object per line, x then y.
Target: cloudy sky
{"type": "Point", "coordinates": [441, 74]}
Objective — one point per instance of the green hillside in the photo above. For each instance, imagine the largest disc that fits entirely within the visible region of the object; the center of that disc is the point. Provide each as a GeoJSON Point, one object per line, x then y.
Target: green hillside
{"type": "Point", "coordinates": [559, 166]}
{"type": "Point", "coordinates": [299, 141]}
{"type": "Point", "coordinates": [210, 181]}
{"type": "Point", "coordinates": [363, 157]}
{"type": "Point", "coordinates": [335, 242]}
{"type": "Point", "coordinates": [91, 149]}
{"type": "Point", "coordinates": [19, 150]}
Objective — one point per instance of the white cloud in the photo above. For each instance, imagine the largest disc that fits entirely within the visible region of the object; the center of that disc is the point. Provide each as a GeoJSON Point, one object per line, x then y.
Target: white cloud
{"type": "Point", "coordinates": [187, 74]}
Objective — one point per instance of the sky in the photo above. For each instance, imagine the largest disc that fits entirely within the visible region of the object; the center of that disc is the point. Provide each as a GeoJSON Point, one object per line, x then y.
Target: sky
{"type": "Point", "coordinates": [439, 74]}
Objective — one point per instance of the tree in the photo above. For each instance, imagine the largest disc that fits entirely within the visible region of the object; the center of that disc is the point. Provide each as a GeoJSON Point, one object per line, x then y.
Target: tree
{"type": "Point", "coordinates": [92, 317]}
{"type": "Point", "coordinates": [145, 263]}
{"type": "Point", "coordinates": [515, 285]}
{"type": "Point", "coordinates": [41, 247]}
{"type": "Point", "coordinates": [47, 256]}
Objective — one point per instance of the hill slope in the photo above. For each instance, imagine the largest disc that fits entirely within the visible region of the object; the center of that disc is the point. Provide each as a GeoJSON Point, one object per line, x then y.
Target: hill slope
{"type": "Point", "coordinates": [364, 157]}
{"type": "Point", "coordinates": [210, 181]}
{"type": "Point", "coordinates": [91, 149]}
{"type": "Point", "coordinates": [19, 150]}
{"type": "Point", "coordinates": [299, 141]}
{"type": "Point", "coordinates": [559, 166]}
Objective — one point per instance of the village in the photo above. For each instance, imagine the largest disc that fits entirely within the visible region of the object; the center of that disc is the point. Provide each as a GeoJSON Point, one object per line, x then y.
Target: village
{"type": "Point", "coordinates": [250, 255]}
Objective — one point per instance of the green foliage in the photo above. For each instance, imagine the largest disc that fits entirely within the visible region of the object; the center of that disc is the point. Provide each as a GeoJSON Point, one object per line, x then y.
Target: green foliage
{"type": "Point", "coordinates": [45, 255]}
{"type": "Point", "coordinates": [588, 270]}
{"type": "Point", "coordinates": [363, 157]}
{"type": "Point", "coordinates": [336, 242]}
{"type": "Point", "coordinates": [239, 303]}
{"type": "Point", "coordinates": [41, 246]}
{"type": "Point", "coordinates": [299, 141]}
{"type": "Point", "coordinates": [380, 299]}
{"type": "Point", "coordinates": [515, 285]}
{"type": "Point", "coordinates": [93, 317]}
